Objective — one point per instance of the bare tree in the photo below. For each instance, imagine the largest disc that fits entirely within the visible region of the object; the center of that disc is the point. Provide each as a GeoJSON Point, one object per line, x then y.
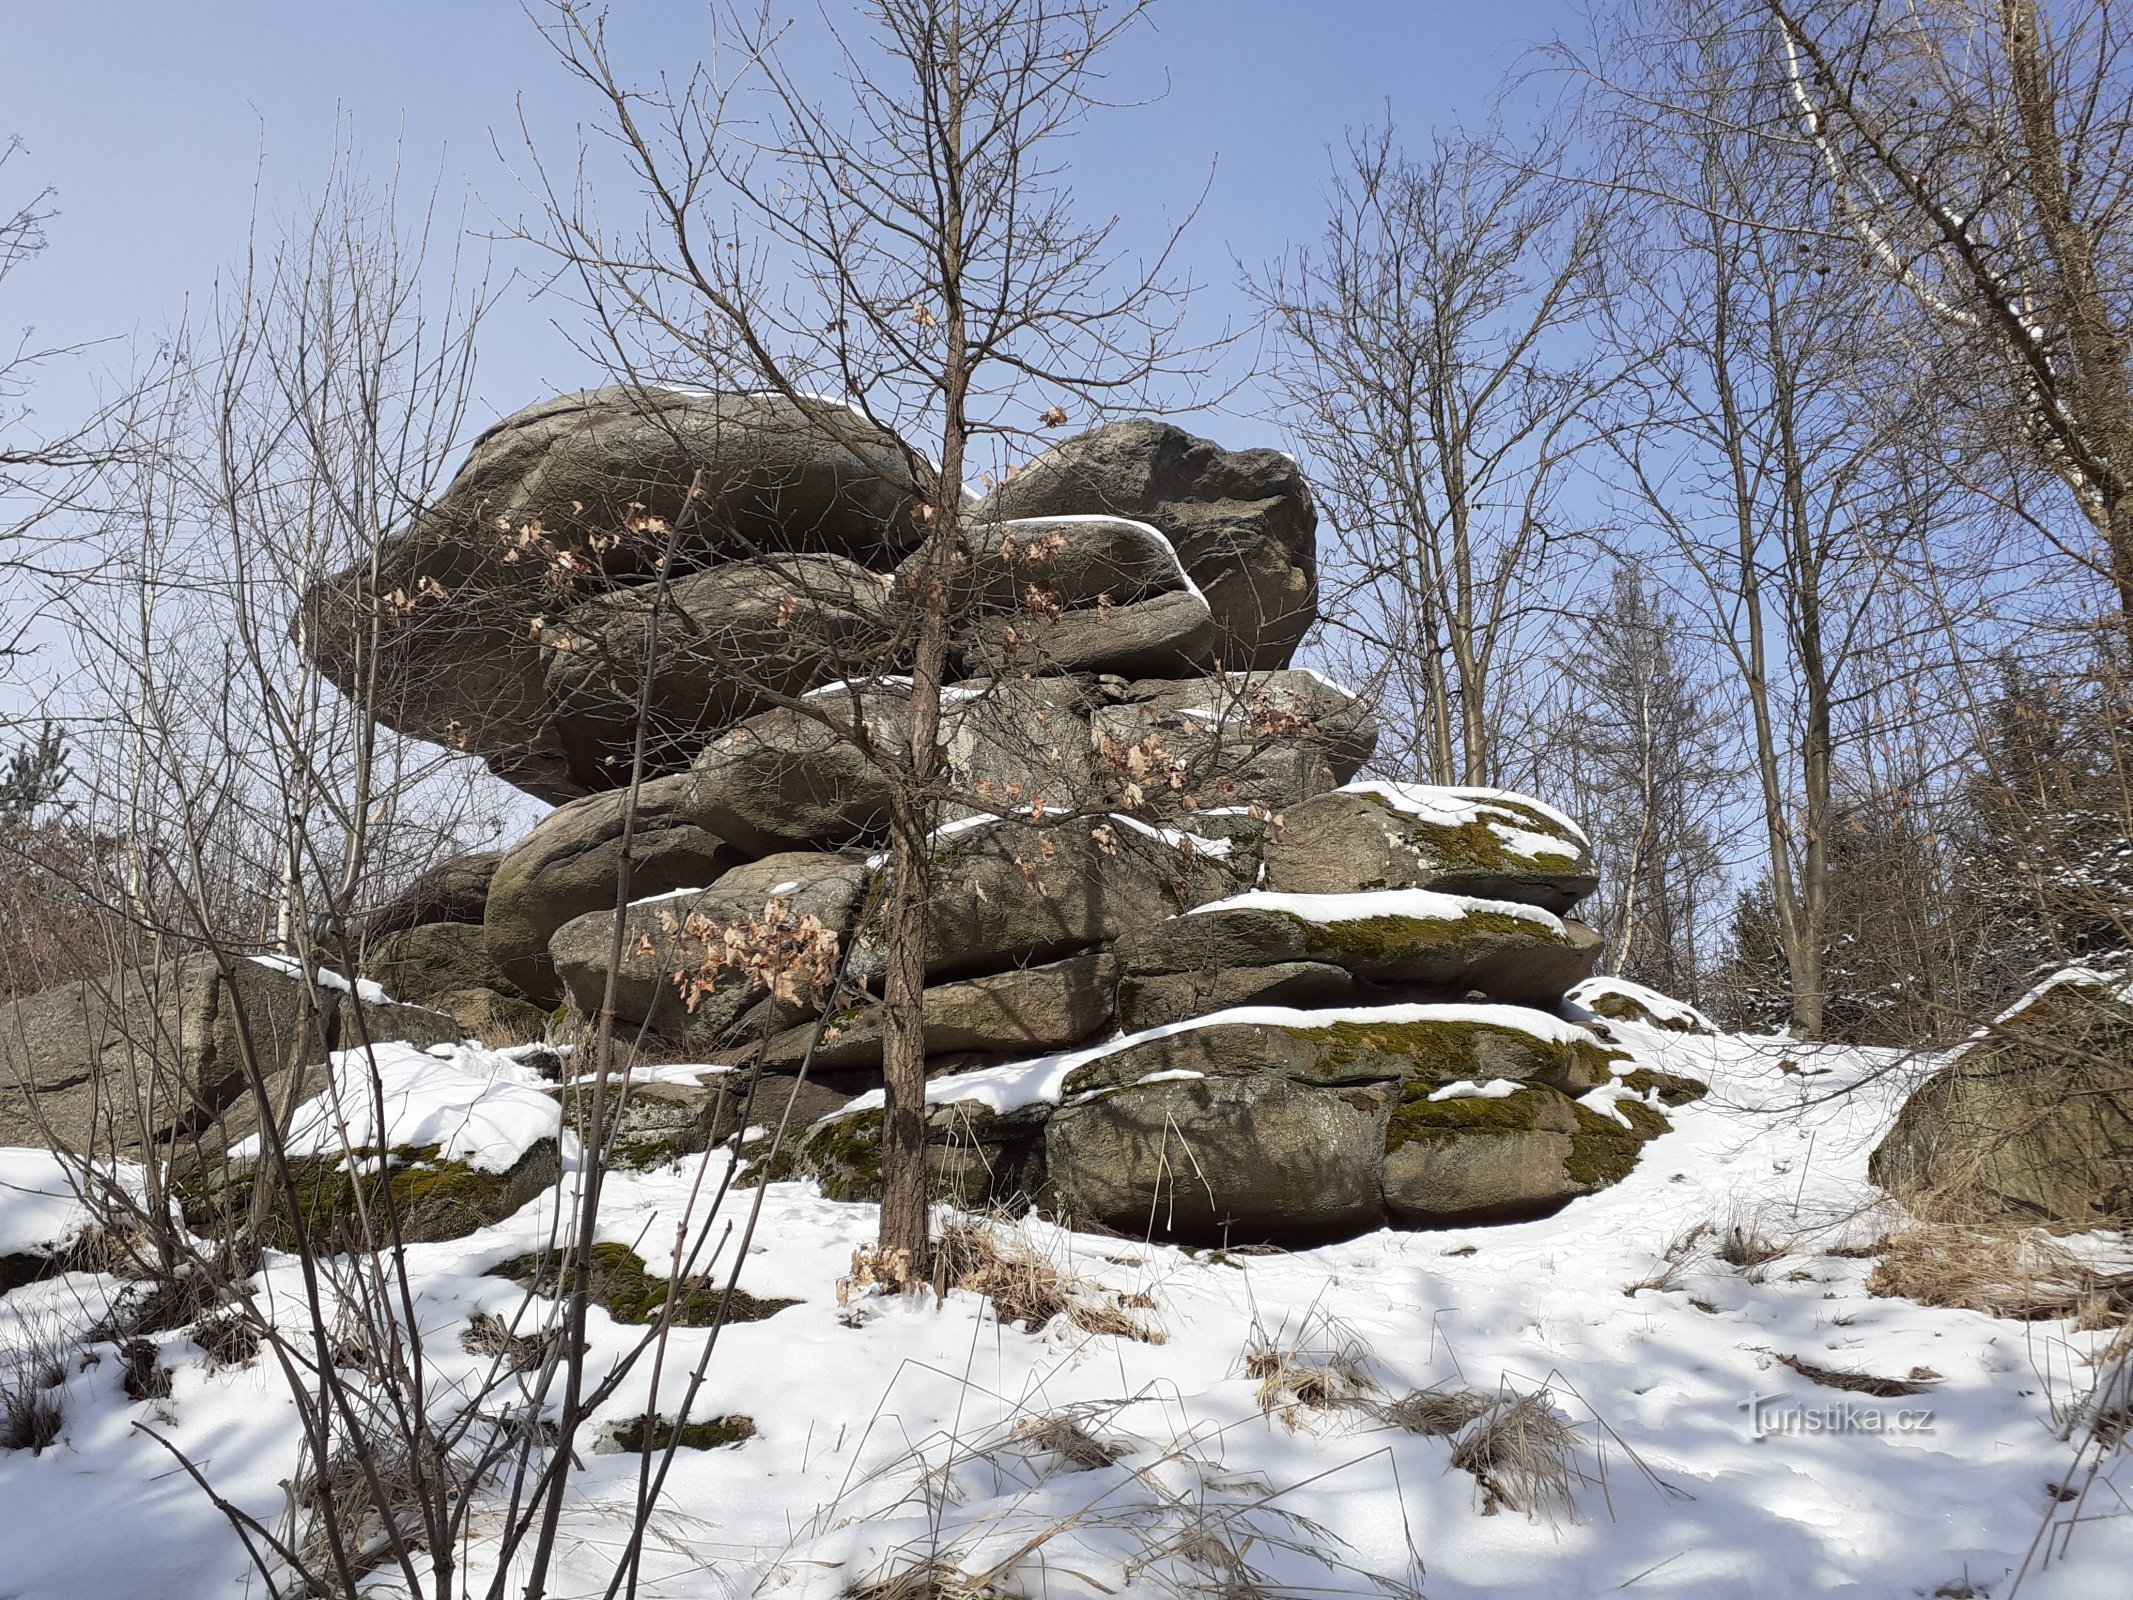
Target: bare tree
{"type": "Point", "coordinates": [1427, 369]}
{"type": "Point", "coordinates": [1780, 445]}
{"type": "Point", "coordinates": [914, 255]}
{"type": "Point", "coordinates": [1976, 154]}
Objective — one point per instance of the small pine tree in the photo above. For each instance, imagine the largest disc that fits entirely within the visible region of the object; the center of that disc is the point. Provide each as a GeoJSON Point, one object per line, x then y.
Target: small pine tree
{"type": "Point", "coordinates": [32, 779]}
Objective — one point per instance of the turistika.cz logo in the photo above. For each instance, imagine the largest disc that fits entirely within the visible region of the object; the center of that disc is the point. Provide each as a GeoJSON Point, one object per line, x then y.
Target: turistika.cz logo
{"type": "Point", "coordinates": [1773, 1414]}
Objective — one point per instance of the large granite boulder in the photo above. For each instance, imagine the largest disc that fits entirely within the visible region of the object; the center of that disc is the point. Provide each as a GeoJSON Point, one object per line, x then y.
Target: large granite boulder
{"type": "Point", "coordinates": [569, 863]}
{"type": "Point", "coordinates": [1302, 1126]}
{"type": "Point", "coordinates": [1170, 634]}
{"type": "Point", "coordinates": [569, 498]}
{"type": "Point", "coordinates": [1014, 743]}
{"type": "Point", "coordinates": [1508, 952]}
{"type": "Point", "coordinates": [117, 1064]}
{"type": "Point", "coordinates": [1243, 523]}
{"type": "Point", "coordinates": [1480, 842]}
{"type": "Point", "coordinates": [795, 779]}
{"type": "Point", "coordinates": [729, 637]}
{"type": "Point", "coordinates": [1066, 563]}
{"type": "Point", "coordinates": [1277, 1125]}
{"type": "Point", "coordinates": [419, 964]}
{"type": "Point", "coordinates": [2031, 1122]}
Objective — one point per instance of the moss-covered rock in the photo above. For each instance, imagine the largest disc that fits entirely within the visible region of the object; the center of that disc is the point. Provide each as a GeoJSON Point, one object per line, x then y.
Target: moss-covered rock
{"type": "Point", "coordinates": [623, 1287]}
{"type": "Point", "coordinates": [1398, 1045]}
{"type": "Point", "coordinates": [1524, 959]}
{"type": "Point", "coordinates": [1456, 841]}
{"type": "Point", "coordinates": [1618, 1000]}
{"type": "Point", "coordinates": [647, 1125]}
{"type": "Point", "coordinates": [362, 1202]}
{"type": "Point", "coordinates": [1481, 1158]}
{"type": "Point", "coordinates": [2032, 1123]}
{"type": "Point", "coordinates": [1671, 1088]}
{"type": "Point", "coordinates": [973, 1159]}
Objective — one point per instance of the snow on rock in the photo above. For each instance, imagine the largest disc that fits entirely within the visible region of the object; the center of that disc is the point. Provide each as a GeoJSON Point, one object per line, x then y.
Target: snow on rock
{"type": "Point", "coordinates": [1040, 1080]}
{"type": "Point", "coordinates": [1455, 808]}
{"type": "Point", "coordinates": [476, 1105]}
{"type": "Point", "coordinates": [41, 1207]}
{"type": "Point", "coordinates": [1468, 1089]}
{"type": "Point", "coordinates": [363, 989]}
{"type": "Point", "coordinates": [893, 1429]}
{"type": "Point", "coordinates": [1421, 904]}
{"type": "Point", "coordinates": [1588, 1001]}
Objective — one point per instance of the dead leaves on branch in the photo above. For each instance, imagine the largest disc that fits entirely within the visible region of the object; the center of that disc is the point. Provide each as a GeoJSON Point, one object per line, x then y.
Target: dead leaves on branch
{"type": "Point", "coordinates": [788, 955]}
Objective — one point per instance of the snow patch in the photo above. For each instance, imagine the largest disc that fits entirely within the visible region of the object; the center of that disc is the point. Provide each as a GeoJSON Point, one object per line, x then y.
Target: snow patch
{"type": "Point", "coordinates": [1419, 904]}
{"type": "Point", "coordinates": [476, 1105]}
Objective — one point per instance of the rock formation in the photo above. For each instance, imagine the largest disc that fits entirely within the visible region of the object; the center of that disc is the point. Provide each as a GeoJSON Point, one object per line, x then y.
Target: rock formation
{"type": "Point", "coordinates": [1185, 974]}
{"type": "Point", "coordinates": [2029, 1123]}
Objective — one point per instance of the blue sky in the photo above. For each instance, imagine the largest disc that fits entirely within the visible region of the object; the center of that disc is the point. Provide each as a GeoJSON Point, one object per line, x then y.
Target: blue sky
{"type": "Point", "coordinates": [153, 119]}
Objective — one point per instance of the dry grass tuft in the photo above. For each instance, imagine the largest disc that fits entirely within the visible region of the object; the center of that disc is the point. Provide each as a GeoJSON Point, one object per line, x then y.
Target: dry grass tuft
{"type": "Point", "coordinates": [1323, 1367]}
{"type": "Point", "coordinates": [33, 1364]}
{"type": "Point", "coordinates": [1680, 1252]}
{"type": "Point", "coordinates": [230, 1340]}
{"type": "Point", "coordinates": [489, 1335]}
{"type": "Point", "coordinates": [1523, 1454]}
{"type": "Point", "coordinates": [1856, 1382]}
{"type": "Point", "coordinates": [1067, 1436]}
{"type": "Point", "coordinates": [2024, 1275]}
{"type": "Point", "coordinates": [1744, 1245]}
{"type": "Point", "coordinates": [1434, 1412]}
{"type": "Point", "coordinates": [1001, 1263]}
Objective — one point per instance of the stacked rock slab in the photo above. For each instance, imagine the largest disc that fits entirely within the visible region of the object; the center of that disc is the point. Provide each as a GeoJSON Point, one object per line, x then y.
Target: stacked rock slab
{"type": "Point", "coordinates": [1262, 1000]}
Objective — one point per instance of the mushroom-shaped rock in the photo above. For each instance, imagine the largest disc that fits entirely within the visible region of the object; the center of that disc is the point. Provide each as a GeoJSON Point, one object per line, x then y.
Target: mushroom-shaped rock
{"type": "Point", "coordinates": [1482, 842]}
{"type": "Point", "coordinates": [568, 498]}
{"type": "Point", "coordinates": [1242, 521]}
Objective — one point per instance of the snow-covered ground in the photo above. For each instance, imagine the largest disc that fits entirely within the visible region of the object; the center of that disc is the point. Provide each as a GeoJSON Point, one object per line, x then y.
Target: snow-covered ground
{"type": "Point", "coordinates": [1711, 1468]}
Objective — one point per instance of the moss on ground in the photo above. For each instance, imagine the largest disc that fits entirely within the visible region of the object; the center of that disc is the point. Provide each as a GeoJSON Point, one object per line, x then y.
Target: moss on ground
{"type": "Point", "coordinates": [359, 1201]}
{"type": "Point", "coordinates": [624, 1288]}
{"type": "Point", "coordinates": [645, 1434]}
{"type": "Point", "coordinates": [1673, 1088]}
